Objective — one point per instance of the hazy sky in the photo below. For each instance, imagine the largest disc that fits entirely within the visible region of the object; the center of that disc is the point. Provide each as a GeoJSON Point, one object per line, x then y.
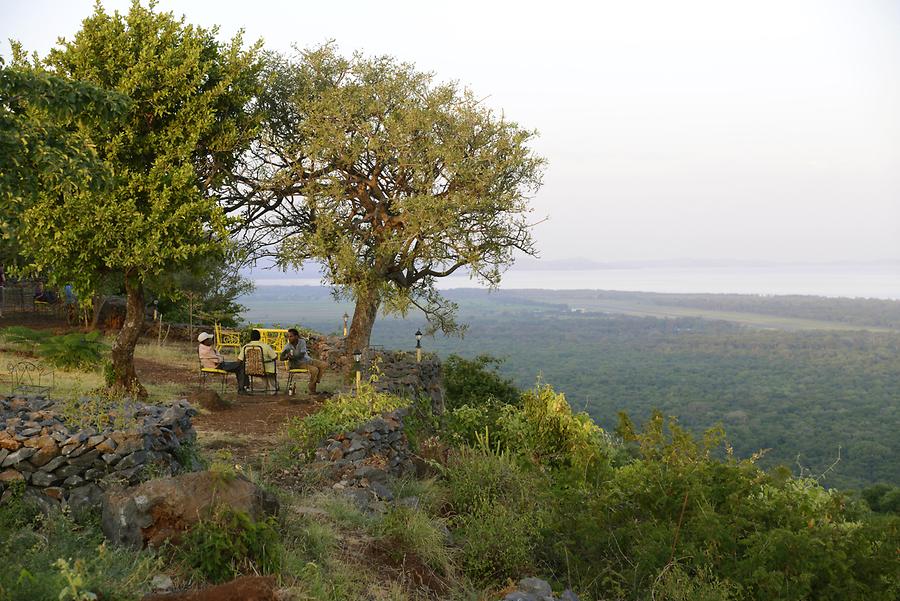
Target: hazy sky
{"type": "Point", "coordinates": [736, 130]}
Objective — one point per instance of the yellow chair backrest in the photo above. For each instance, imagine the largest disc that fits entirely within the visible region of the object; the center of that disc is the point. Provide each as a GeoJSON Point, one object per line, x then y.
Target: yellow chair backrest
{"type": "Point", "coordinates": [227, 338]}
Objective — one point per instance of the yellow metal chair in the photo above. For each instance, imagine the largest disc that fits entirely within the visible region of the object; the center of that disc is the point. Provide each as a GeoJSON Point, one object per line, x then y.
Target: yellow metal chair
{"type": "Point", "coordinates": [206, 372]}
{"type": "Point", "coordinates": [227, 338]}
{"type": "Point", "coordinates": [293, 371]}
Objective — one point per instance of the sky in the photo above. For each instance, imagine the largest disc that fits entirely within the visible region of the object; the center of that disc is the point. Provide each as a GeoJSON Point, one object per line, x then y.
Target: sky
{"type": "Point", "coordinates": [744, 131]}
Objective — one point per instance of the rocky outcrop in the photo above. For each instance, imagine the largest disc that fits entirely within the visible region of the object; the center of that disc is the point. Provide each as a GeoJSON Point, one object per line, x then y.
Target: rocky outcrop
{"type": "Point", "coordinates": [164, 508]}
{"type": "Point", "coordinates": [60, 463]}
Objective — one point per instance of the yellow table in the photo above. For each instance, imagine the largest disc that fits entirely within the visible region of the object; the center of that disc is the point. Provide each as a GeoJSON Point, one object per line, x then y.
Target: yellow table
{"type": "Point", "coordinates": [274, 337]}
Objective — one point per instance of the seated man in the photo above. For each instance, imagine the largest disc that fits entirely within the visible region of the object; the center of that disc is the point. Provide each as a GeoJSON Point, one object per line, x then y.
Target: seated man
{"type": "Point", "coordinates": [269, 357]}
{"type": "Point", "coordinates": [210, 357]}
{"type": "Point", "coordinates": [295, 352]}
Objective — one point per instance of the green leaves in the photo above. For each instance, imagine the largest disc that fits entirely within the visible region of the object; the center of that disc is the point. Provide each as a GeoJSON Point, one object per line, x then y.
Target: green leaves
{"type": "Point", "coordinates": [388, 178]}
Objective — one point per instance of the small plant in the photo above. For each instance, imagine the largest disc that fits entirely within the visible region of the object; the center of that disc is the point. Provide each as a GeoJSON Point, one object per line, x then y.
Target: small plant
{"type": "Point", "coordinates": [22, 336]}
{"type": "Point", "coordinates": [73, 351]}
{"type": "Point", "coordinates": [75, 581]}
{"type": "Point", "coordinates": [100, 409]}
{"type": "Point", "coordinates": [230, 543]}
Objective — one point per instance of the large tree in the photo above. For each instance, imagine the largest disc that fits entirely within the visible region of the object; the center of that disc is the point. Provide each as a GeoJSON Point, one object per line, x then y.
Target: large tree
{"type": "Point", "coordinates": [387, 179]}
{"type": "Point", "coordinates": [187, 120]}
{"type": "Point", "coordinates": [45, 142]}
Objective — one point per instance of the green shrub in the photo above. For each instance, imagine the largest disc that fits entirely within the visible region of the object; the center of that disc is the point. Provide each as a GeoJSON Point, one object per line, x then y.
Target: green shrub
{"type": "Point", "coordinates": [546, 430]}
{"type": "Point", "coordinates": [22, 336]}
{"type": "Point", "coordinates": [338, 414]}
{"type": "Point", "coordinates": [475, 382]}
{"type": "Point", "coordinates": [407, 531]}
{"type": "Point", "coordinates": [230, 543]}
{"type": "Point", "coordinates": [73, 351]}
{"type": "Point", "coordinates": [499, 510]}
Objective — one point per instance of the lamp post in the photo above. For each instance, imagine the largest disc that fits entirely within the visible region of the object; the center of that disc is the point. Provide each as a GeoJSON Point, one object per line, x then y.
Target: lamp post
{"type": "Point", "coordinates": [418, 346]}
{"type": "Point", "coordinates": [346, 317]}
{"type": "Point", "coordinates": [357, 355]}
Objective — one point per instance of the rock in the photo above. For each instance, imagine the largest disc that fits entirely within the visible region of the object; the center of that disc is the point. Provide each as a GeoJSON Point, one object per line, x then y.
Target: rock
{"type": "Point", "coordinates": [53, 464]}
{"type": "Point", "coordinates": [108, 445]}
{"type": "Point", "coordinates": [3, 454]}
{"type": "Point", "coordinates": [46, 450]}
{"type": "Point", "coordinates": [54, 492]}
{"type": "Point", "coordinates": [536, 586]}
{"type": "Point", "coordinates": [162, 509]}
{"type": "Point", "coordinates": [11, 475]}
{"type": "Point", "coordinates": [133, 460]}
{"type": "Point", "coordinates": [84, 498]}
{"type": "Point", "coordinates": [245, 588]}
{"type": "Point", "coordinates": [381, 491]}
{"type": "Point", "coordinates": [568, 595]}
{"type": "Point", "coordinates": [44, 479]}
{"type": "Point", "coordinates": [21, 455]}
{"type": "Point", "coordinates": [161, 583]}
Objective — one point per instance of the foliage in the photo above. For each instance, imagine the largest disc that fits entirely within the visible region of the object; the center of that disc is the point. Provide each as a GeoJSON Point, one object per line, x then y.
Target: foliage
{"type": "Point", "coordinates": [185, 123]}
{"type": "Point", "coordinates": [476, 382]}
{"type": "Point", "coordinates": [498, 508]}
{"type": "Point", "coordinates": [337, 414]}
{"type": "Point", "coordinates": [45, 147]}
{"type": "Point", "coordinates": [45, 558]}
{"type": "Point", "coordinates": [98, 409]}
{"type": "Point", "coordinates": [882, 498]}
{"type": "Point", "coordinates": [230, 543]}
{"type": "Point", "coordinates": [753, 535]}
{"type": "Point", "coordinates": [74, 351]}
{"type": "Point", "coordinates": [388, 179]}
{"type": "Point", "coordinates": [406, 531]}
{"type": "Point", "coordinates": [207, 290]}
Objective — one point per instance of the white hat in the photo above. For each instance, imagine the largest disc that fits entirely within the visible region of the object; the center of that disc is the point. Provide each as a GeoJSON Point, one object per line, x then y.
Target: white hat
{"type": "Point", "coordinates": [203, 336]}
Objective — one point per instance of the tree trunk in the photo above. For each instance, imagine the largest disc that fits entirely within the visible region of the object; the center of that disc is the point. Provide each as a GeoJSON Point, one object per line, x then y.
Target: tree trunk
{"type": "Point", "coordinates": [97, 305]}
{"type": "Point", "coordinates": [363, 319]}
{"type": "Point", "coordinates": [126, 380]}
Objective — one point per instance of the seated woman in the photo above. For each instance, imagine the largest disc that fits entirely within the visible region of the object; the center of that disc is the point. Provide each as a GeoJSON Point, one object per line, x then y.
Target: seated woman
{"type": "Point", "coordinates": [210, 357]}
{"type": "Point", "coordinates": [295, 352]}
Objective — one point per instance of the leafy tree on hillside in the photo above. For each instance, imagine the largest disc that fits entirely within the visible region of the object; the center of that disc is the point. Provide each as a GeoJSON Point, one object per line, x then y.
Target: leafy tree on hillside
{"type": "Point", "coordinates": [45, 141]}
{"type": "Point", "coordinates": [387, 179]}
{"type": "Point", "coordinates": [187, 121]}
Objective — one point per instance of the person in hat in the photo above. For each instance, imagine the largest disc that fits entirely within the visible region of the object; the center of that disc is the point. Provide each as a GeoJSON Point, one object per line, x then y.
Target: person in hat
{"type": "Point", "coordinates": [210, 357]}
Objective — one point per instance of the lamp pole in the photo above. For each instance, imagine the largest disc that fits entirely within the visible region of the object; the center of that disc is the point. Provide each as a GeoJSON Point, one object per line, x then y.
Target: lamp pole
{"type": "Point", "coordinates": [357, 355]}
{"type": "Point", "coordinates": [346, 317]}
{"type": "Point", "coordinates": [418, 346]}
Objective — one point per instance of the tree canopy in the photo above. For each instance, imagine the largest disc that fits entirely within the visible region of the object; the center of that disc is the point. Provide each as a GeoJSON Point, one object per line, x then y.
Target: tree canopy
{"type": "Point", "coordinates": [187, 120]}
{"type": "Point", "coordinates": [387, 179]}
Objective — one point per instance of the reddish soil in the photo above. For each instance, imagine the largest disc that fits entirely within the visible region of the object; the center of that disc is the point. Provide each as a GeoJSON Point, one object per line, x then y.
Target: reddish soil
{"type": "Point", "coordinates": [256, 415]}
{"type": "Point", "coordinates": [245, 588]}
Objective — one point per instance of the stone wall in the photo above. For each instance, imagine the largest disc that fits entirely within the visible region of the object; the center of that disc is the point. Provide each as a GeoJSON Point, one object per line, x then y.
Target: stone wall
{"type": "Point", "coordinates": [399, 373]}
{"type": "Point", "coordinates": [70, 464]}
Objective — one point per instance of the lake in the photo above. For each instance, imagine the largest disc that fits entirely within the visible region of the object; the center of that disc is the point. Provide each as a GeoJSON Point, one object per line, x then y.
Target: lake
{"type": "Point", "coordinates": [874, 281]}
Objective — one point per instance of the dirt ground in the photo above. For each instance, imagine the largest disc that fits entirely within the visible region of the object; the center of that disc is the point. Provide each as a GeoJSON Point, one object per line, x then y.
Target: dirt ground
{"type": "Point", "coordinates": [250, 425]}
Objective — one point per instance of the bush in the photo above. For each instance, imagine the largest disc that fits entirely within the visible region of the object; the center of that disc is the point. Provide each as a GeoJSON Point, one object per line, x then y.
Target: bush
{"type": "Point", "coordinates": [230, 543]}
{"type": "Point", "coordinates": [476, 382]}
{"type": "Point", "coordinates": [68, 351]}
{"type": "Point", "coordinates": [497, 542]}
{"type": "Point", "coordinates": [499, 510]}
{"type": "Point", "coordinates": [338, 414]}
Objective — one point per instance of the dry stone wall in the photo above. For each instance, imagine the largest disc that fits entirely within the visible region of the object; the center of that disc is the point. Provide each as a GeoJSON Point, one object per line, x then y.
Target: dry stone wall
{"type": "Point", "coordinates": [58, 462]}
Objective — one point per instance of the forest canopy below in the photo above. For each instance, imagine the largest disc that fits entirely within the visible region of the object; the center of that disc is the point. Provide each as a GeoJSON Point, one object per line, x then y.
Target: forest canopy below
{"type": "Point", "coordinates": [808, 396]}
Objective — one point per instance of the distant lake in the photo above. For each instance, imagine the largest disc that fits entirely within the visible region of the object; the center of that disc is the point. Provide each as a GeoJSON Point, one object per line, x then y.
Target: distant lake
{"type": "Point", "coordinates": [880, 281]}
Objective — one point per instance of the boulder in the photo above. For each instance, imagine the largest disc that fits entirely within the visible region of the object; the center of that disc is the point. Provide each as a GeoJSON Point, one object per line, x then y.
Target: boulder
{"type": "Point", "coordinates": [163, 509]}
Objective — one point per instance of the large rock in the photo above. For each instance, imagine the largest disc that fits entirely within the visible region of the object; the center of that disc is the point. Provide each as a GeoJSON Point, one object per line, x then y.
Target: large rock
{"type": "Point", "coordinates": [163, 509]}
